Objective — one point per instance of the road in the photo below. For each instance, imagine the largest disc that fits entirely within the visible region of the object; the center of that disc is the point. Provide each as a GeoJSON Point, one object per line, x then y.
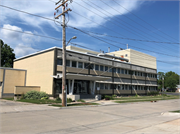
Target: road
{"type": "Point", "coordinates": [127, 118]}
{"type": "Point", "coordinates": [172, 93]}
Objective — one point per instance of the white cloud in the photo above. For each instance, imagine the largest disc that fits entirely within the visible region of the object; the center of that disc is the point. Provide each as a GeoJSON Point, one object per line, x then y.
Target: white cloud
{"type": "Point", "coordinates": [21, 50]}
{"type": "Point", "coordinates": [47, 9]}
{"type": "Point", "coordinates": [21, 43]}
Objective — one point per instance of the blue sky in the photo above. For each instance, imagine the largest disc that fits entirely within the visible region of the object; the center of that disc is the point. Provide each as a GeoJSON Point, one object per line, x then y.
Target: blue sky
{"type": "Point", "coordinates": [159, 22]}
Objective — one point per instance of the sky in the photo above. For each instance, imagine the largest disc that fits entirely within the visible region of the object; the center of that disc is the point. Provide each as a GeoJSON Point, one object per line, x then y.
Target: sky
{"type": "Point", "coordinates": [128, 21]}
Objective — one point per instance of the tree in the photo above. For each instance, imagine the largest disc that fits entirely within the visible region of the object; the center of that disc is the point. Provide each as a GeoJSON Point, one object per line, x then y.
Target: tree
{"type": "Point", "coordinates": [160, 76]}
{"type": "Point", "coordinates": [171, 80]}
{"type": "Point", "coordinates": [7, 55]}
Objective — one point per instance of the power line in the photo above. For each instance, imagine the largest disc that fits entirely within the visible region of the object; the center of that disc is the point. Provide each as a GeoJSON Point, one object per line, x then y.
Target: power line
{"type": "Point", "coordinates": [126, 23]}
{"type": "Point", "coordinates": [118, 42]}
{"type": "Point", "coordinates": [106, 27]}
{"type": "Point", "coordinates": [143, 20]}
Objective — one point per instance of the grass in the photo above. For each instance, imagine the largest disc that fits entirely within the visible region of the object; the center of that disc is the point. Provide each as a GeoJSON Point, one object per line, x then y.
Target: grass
{"type": "Point", "coordinates": [144, 98]}
{"type": "Point", "coordinates": [8, 98]}
{"type": "Point", "coordinates": [178, 111]}
{"type": "Point", "coordinates": [40, 101]}
{"type": "Point", "coordinates": [75, 104]}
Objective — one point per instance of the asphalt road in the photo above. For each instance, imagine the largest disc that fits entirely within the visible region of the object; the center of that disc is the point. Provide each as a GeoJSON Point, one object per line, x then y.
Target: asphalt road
{"type": "Point", "coordinates": [129, 118]}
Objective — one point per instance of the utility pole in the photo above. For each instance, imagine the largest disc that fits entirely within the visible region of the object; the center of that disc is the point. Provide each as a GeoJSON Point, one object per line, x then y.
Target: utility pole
{"type": "Point", "coordinates": [63, 49]}
{"type": "Point", "coordinates": [163, 83]}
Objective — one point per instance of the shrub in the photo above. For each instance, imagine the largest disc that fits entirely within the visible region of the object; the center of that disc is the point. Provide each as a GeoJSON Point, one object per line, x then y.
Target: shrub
{"type": "Point", "coordinates": [114, 96]}
{"type": "Point", "coordinates": [58, 99]}
{"type": "Point", "coordinates": [35, 95]}
{"type": "Point", "coordinates": [107, 97]}
{"type": "Point", "coordinates": [153, 93]}
{"type": "Point", "coordinates": [69, 100]}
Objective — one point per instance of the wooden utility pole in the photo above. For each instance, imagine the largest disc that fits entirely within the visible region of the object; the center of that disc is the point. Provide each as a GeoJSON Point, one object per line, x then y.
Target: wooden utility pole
{"type": "Point", "coordinates": [63, 50]}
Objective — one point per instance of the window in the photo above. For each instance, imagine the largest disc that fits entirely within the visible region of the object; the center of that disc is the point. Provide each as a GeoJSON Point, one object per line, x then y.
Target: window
{"type": "Point", "coordinates": [101, 68]}
{"type": "Point", "coordinates": [68, 63]}
{"type": "Point", "coordinates": [135, 72]}
{"type": "Point", "coordinates": [106, 68]}
{"type": "Point", "coordinates": [86, 65]}
{"type": "Point", "coordinates": [126, 55]}
{"type": "Point", "coordinates": [92, 66]}
{"type": "Point", "coordinates": [106, 86]}
{"type": "Point", "coordinates": [80, 65]}
{"type": "Point", "coordinates": [118, 70]}
{"type": "Point", "coordinates": [97, 67]}
{"type": "Point", "coordinates": [119, 87]}
{"type": "Point", "coordinates": [114, 70]}
{"type": "Point", "coordinates": [122, 87]}
{"type": "Point", "coordinates": [122, 71]}
{"type": "Point", "coordinates": [110, 69]}
{"type": "Point", "coordinates": [125, 71]}
{"type": "Point", "coordinates": [101, 85]}
{"type": "Point", "coordinates": [73, 63]}
{"type": "Point", "coordinates": [59, 62]}
{"type": "Point", "coordinates": [126, 87]}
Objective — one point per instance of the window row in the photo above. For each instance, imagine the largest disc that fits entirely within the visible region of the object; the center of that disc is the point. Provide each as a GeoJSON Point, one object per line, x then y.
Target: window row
{"type": "Point", "coordinates": [107, 86]}
{"type": "Point", "coordinates": [96, 67]}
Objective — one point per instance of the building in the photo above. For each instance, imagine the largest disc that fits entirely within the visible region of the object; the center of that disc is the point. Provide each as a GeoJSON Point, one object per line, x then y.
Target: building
{"type": "Point", "coordinates": [119, 72]}
{"type": "Point", "coordinates": [9, 78]}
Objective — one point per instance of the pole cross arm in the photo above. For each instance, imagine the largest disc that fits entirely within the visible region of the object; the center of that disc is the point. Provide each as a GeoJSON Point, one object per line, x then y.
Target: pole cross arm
{"type": "Point", "coordinates": [61, 4]}
{"type": "Point", "coordinates": [63, 13]}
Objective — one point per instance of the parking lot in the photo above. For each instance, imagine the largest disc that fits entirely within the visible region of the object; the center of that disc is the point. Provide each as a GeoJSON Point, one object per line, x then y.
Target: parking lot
{"type": "Point", "coordinates": [130, 118]}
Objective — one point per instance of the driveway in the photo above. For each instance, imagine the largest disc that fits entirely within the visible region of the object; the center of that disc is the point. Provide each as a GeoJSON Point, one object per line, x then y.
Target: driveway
{"type": "Point", "coordinates": [125, 118]}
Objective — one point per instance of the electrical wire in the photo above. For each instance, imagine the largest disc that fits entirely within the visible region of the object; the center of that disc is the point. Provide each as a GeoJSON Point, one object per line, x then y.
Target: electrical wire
{"type": "Point", "coordinates": [143, 20]}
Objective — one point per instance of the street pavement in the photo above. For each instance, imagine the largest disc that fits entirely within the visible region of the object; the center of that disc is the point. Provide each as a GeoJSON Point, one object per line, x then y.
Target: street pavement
{"type": "Point", "coordinates": [125, 118]}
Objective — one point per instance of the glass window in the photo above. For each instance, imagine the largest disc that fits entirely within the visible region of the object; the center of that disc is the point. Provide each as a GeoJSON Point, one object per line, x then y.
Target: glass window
{"type": "Point", "coordinates": [122, 71]}
{"type": "Point", "coordinates": [68, 63]}
{"type": "Point", "coordinates": [119, 87]}
{"type": "Point", "coordinates": [114, 70]}
{"type": "Point", "coordinates": [122, 87]}
{"type": "Point", "coordinates": [86, 65]}
{"type": "Point", "coordinates": [59, 62]}
{"type": "Point", "coordinates": [97, 67]}
{"type": "Point", "coordinates": [101, 85]}
{"type": "Point", "coordinates": [125, 71]}
{"type": "Point", "coordinates": [92, 66]}
{"type": "Point", "coordinates": [73, 63]}
{"type": "Point", "coordinates": [106, 86]}
{"type": "Point", "coordinates": [106, 68]}
{"type": "Point", "coordinates": [118, 70]}
{"type": "Point", "coordinates": [110, 69]}
{"type": "Point", "coordinates": [80, 65]}
{"type": "Point", "coordinates": [126, 87]}
{"type": "Point", "coordinates": [101, 68]}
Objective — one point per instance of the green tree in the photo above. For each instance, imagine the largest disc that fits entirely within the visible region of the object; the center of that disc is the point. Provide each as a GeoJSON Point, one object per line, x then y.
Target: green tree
{"type": "Point", "coordinates": [171, 80]}
{"type": "Point", "coordinates": [7, 55]}
{"type": "Point", "coordinates": [160, 76]}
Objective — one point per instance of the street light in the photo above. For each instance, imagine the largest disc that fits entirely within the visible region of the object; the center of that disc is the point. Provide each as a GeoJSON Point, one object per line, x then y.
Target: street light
{"type": "Point", "coordinates": [74, 37]}
{"type": "Point", "coordinates": [64, 92]}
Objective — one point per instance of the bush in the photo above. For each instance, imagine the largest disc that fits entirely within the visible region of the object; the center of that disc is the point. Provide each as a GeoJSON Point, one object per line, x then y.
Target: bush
{"type": "Point", "coordinates": [114, 96]}
{"type": "Point", "coordinates": [107, 97]}
{"type": "Point", "coordinates": [58, 99]}
{"type": "Point", "coordinates": [153, 93]}
{"type": "Point", "coordinates": [35, 95]}
{"type": "Point", "coordinates": [69, 100]}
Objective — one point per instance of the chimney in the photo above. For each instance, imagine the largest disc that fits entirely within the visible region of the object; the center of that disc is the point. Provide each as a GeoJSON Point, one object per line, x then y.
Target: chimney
{"type": "Point", "coordinates": [108, 49]}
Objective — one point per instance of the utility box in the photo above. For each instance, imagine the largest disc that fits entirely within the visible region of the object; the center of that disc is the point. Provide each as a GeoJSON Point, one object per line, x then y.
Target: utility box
{"type": "Point", "coordinates": [98, 97]}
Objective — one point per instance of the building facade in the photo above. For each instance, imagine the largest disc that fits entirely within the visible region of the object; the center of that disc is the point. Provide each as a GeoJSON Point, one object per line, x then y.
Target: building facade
{"type": "Point", "coordinates": [87, 72]}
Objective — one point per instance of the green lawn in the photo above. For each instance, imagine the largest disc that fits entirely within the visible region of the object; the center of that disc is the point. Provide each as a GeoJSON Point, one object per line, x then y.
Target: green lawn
{"type": "Point", "coordinates": [40, 101]}
{"type": "Point", "coordinates": [144, 98]}
{"type": "Point", "coordinates": [178, 111]}
{"type": "Point", "coordinates": [76, 104]}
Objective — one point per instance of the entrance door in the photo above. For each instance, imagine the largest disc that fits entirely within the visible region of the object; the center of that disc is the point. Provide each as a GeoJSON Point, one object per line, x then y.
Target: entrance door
{"type": "Point", "coordinates": [81, 87]}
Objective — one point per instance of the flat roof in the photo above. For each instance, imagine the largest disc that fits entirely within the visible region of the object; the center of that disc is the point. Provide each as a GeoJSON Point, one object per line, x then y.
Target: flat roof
{"type": "Point", "coordinates": [52, 48]}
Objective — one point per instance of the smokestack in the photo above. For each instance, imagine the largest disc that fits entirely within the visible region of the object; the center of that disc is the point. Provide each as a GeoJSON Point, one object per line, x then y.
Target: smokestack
{"type": "Point", "coordinates": [127, 46]}
{"type": "Point", "coordinates": [108, 49]}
